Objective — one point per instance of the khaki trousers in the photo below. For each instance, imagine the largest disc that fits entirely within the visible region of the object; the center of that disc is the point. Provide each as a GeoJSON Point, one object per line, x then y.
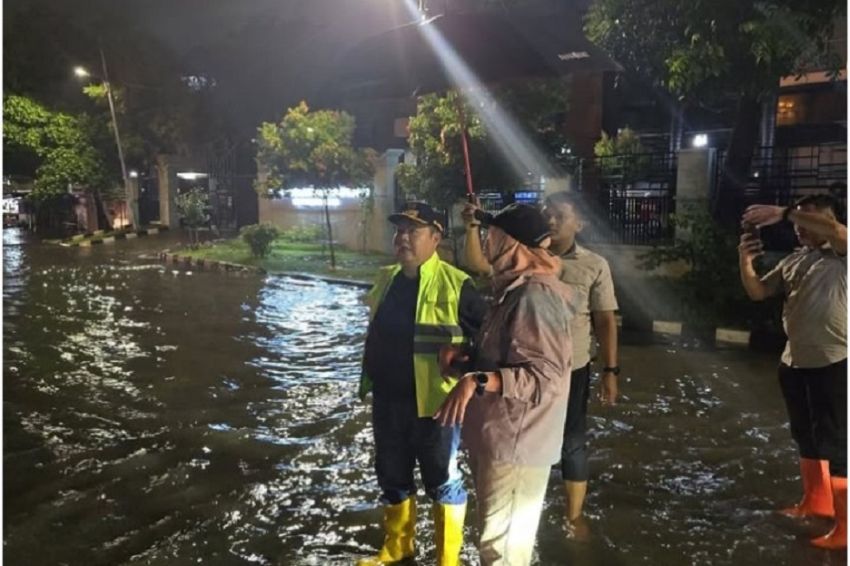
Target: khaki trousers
{"type": "Point", "coordinates": [509, 502]}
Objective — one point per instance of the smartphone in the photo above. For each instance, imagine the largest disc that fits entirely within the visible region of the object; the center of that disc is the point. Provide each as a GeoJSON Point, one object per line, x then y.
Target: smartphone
{"type": "Point", "coordinates": [753, 231]}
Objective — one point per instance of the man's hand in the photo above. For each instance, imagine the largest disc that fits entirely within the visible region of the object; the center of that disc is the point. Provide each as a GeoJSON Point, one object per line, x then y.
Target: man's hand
{"type": "Point", "coordinates": [468, 212]}
{"type": "Point", "coordinates": [453, 408]}
{"type": "Point", "coordinates": [749, 248]}
{"type": "Point", "coordinates": [608, 388]}
{"type": "Point", "coordinates": [761, 215]}
{"type": "Point", "coordinates": [449, 355]}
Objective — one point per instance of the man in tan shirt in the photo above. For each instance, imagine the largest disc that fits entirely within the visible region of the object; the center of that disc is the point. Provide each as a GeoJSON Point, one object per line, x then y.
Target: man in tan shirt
{"type": "Point", "coordinates": [589, 275]}
{"type": "Point", "coordinates": [813, 369]}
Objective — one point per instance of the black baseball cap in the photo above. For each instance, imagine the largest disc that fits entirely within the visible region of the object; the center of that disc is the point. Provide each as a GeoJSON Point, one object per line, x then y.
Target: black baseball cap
{"type": "Point", "coordinates": [420, 213]}
{"type": "Point", "coordinates": [523, 222]}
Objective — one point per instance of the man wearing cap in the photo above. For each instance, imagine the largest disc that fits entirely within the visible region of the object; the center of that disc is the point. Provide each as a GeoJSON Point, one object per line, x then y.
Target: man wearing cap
{"type": "Point", "coordinates": [518, 396]}
{"type": "Point", "coordinates": [416, 306]}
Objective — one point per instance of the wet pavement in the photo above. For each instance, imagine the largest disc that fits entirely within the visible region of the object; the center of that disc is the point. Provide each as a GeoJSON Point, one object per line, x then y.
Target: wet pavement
{"type": "Point", "coordinates": [155, 415]}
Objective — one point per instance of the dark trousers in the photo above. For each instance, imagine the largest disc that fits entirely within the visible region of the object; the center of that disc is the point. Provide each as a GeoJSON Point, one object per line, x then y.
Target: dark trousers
{"type": "Point", "coordinates": [401, 440]}
{"type": "Point", "coordinates": [816, 399]}
{"type": "Point", "coordinates": [574, 450]}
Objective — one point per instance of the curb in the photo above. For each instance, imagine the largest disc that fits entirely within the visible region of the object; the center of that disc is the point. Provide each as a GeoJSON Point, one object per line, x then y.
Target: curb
{"type": "Point", "coordinates": [187, 261]}
{"type": "Point", "coordinates": [326, 279]}
{"type": "Point", "coordinates": [724, 336]}
{"type": "Point", "coordinates": [215, 265]}
{"type": "Point", "coordinates": [98, 237]}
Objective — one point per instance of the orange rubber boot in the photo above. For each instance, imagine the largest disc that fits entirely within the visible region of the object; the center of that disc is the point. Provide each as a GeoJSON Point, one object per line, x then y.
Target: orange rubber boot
{"type": "Point", "coordinates": [836, 539]}
{"type": "Point", "coordinates": [817, 493]}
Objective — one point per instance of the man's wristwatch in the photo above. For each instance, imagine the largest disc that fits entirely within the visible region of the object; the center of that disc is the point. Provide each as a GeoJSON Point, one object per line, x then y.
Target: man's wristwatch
{"type": "Point", "coordinates": [611, 369]}
{"type": "Point", "coordinates": [786, 213]}
{"type": "Point", "coordinates": [481, 380]}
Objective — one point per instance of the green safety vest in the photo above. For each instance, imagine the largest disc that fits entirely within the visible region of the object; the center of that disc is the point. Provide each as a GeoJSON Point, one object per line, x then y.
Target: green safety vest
{"type": "Point", "coordinates": [437, 323]}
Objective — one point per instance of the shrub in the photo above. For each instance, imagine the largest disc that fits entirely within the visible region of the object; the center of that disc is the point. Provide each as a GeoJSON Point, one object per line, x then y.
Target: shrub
{"type": "Point", "coordinates": [302, 234]}
{"type": "Point", "coordinates": [259, 238]}
{"type": "Point", "coordinates": [192, 207]}
{"type": "Point", "coordinates": [622, 155]}
{"type": "Point", "coordinates": [710, 292]}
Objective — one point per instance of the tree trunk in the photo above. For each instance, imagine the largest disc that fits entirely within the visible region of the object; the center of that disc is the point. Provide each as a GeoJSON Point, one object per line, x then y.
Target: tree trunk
{"type": "Point", "coordinates": [330, 232]}
{"type": "Point", "coordinates": [728, 200]}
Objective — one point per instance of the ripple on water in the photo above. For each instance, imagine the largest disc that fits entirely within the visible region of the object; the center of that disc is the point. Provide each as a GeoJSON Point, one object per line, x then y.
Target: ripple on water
{"type": "Point", "coordinates": [161, 418]}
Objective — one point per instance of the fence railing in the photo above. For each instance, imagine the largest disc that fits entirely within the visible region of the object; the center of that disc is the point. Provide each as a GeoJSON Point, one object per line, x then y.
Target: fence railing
{"type": "Point", "coordinates": [780, 176]}
{"type": "Point", "coordinates": [630, 198]}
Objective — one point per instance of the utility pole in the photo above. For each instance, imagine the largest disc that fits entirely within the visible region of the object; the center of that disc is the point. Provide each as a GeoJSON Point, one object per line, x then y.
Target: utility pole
{"type": "Point", "coordinates": [128, 192]}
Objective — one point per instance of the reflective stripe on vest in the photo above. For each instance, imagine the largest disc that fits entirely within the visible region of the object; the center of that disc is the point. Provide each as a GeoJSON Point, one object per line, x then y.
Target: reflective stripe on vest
{"type": "Point", "coordinates": [437, 323]}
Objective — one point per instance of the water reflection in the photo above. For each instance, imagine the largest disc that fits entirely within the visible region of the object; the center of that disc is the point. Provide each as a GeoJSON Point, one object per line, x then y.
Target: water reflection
{"type": "Point", "coordinates": [158, 417]}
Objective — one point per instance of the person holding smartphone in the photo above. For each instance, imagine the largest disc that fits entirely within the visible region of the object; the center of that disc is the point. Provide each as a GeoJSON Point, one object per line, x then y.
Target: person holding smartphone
{"type": "Point", "coordinates": [813, 369]}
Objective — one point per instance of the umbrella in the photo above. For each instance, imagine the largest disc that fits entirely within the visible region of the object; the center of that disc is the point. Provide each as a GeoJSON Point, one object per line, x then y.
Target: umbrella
{"type": "Point", "coordinates": [465, 50]}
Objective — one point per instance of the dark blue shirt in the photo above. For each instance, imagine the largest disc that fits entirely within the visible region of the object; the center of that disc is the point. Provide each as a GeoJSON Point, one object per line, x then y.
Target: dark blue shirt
{"type": "Point", "coordinates": [389, 345]}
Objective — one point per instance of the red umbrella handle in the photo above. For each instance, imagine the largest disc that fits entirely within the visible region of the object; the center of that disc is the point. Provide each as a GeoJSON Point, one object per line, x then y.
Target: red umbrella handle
{"type": "Point", "coordinates": [470, 192]}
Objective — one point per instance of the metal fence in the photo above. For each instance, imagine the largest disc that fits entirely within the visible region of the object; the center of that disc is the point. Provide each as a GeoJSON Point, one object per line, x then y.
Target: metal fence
{"type": "Point", "coordinates": [627, 199]}
{"type": "Point", "coordinates": [781, 175]}
{"type": "Point", "coordinates": [630, 198]}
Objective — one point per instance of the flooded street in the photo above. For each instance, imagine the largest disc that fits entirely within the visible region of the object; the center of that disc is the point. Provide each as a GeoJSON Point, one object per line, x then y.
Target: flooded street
{"type": "Point", "coordinates": [158, 416]}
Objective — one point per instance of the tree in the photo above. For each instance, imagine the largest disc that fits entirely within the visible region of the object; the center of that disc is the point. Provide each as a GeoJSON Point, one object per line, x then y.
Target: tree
{"type": "Point", "coordinates": [703, 51]}
{"type": "Point", "coordinates": [55, 148]}
{"type": "Point", "coordinates": [193, 206]}
{"type": "Point", "coordinates": [435, 139]}
{"type": "Point", "coordinates": [312, 149]}
{"type": "Point", "coordinates": [160, 110]}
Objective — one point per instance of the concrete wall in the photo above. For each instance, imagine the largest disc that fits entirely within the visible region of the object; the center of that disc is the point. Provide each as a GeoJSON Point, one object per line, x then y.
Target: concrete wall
{"type": "Point", "coordinates": [346, 220]}
{"type": "Point", "coordinates": [351, 225]}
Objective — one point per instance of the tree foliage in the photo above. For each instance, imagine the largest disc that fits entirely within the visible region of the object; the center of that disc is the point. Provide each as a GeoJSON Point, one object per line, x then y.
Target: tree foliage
{"type": "Point", "coordinates": [193, 208]}
{"type": "Point", "coordinates": [709, 293]}
{"type": "Point", "coordinates": [58, 145]}
{"type": "Point", "coordinates": [701, 50]}
{"type": "Point", "coordinates": [435, 139]}
{"type": "Point", "coordinates": [158, 112]}
{"type": "Point", "coordinates": [312, 149]}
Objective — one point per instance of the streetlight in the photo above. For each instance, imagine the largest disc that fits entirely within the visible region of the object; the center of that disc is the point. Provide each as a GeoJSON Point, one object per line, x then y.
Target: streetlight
{"type": "Point", "coordinates": [128, 193]}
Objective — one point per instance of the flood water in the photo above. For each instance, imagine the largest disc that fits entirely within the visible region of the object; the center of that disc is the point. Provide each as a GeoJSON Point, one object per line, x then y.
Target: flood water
{"type": "Point", "coordinates": [153, 415]}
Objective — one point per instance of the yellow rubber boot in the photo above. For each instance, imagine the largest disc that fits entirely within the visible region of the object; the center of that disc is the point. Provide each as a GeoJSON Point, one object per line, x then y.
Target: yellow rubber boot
{"type": "Point", "coordinates": [817, 493]}
{"type": "Point", "coordinates": [400, 530]}
{"type": "Point", "coordinates": [836, 539]}
{"type": "Point", "coordinates": [448, 528]}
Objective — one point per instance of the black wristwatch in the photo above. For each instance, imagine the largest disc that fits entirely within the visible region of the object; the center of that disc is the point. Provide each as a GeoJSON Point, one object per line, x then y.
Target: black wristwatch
{"type": "Point", "coordinates": [481, 380]}
{"type": "Point", "coordinates": [611, 369]}
{"type": "Point", "coordinates": [786, 213]}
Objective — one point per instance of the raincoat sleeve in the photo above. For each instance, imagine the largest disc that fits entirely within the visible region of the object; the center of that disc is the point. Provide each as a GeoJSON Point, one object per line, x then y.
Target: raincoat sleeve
{"type": "Point", "coordinates": [536, 347]}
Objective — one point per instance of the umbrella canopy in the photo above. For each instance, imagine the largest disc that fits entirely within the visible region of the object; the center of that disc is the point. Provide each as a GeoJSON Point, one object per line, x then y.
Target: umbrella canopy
{"type": "Point", "coordinates": [414, 59]}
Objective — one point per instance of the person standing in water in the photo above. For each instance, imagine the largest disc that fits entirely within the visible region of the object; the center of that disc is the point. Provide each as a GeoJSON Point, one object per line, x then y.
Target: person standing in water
{"type": "Point", "coordinates": [518, 395]}
{"type": "Point", "coordinates": [589, 275]}
{"type": "Point", "coordinates": [416, 306]}
{"type": "Point", "coordinates": [813, 368]}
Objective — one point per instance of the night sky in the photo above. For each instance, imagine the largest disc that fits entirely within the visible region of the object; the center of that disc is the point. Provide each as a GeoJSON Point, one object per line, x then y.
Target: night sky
{"type": "Point", "coordinates": [265, 55]}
